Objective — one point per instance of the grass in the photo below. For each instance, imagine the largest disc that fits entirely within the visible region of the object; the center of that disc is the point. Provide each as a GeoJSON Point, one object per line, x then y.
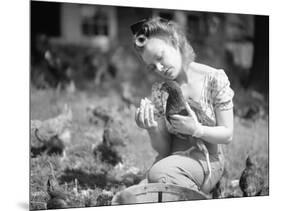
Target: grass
{"type": "Point", "coordinates": [93, 177]}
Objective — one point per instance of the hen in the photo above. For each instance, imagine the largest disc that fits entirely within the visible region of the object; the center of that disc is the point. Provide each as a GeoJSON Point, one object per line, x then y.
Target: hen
{"type": "Point", "coordinates": [58, 66]}
{"type": "Point", "coordinates": [106, 154]}
{"type": "Point", "coordinates": [115, 134]}
{"type": "Point", "coordinates": [52, 134]}
{"type": "Point", "coordinates": [58, 196]}
{"type": "Point", "coordinates": [115, 137]}
{"type": "Point", "coordinates": [251, 180]}
{"type": "Point", "coordinates": [217, 192]}
{"type": "Point", "coordinates": [177, 105]}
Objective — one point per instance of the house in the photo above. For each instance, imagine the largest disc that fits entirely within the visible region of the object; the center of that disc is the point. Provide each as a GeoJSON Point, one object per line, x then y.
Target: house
{"type": "Point", "coordinates": [84, 23]}
{"type": "Point", "coordinates": [105, 26]}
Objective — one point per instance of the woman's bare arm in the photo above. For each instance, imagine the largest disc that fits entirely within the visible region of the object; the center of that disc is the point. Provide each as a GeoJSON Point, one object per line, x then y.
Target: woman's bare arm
{"type": "Point", "coordinates": [223, 132]}
{"type": "Point", "coordinates": [160, 139]}
{"type": "Point", "coordinates": [159, 136]}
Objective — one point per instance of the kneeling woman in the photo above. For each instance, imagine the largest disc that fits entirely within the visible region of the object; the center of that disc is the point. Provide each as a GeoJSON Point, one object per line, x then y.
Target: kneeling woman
{"type": "Point", "coordinates": [164, 49]}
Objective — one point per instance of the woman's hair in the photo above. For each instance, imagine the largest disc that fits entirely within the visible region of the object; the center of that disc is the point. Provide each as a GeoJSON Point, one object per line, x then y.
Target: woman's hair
{"type": "Point", "coordinates": [161, 28]}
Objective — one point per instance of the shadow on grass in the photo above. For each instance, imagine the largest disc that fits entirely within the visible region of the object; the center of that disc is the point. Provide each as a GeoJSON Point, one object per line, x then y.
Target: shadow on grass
{"type": "Point", "coordinates": [86, 180]}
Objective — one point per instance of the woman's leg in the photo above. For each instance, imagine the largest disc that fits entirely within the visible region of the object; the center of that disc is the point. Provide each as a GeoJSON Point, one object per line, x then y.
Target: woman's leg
{"type": "Point", "coordinates": [184, 171]}
{"type": "Point", "coordinates": [178, 170]}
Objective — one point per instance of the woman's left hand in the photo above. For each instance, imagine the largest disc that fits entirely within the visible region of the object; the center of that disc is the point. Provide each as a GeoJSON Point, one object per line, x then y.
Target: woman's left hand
{"type": "Point", "coordinates": [185, 124]}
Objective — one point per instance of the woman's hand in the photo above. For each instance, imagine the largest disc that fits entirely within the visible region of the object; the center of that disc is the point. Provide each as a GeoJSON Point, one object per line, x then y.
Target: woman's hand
{"type": "Point", "coordinates": [187, 125]}
{"type": "Point", "coordinates": [144, 115]}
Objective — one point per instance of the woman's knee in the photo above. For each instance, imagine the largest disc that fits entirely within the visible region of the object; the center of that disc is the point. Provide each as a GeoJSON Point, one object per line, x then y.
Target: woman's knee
{"type": "Point", "coordinates": [176, 169]}
{"type": "Point", "coordinates": [161, 173]}
{"type": "Point", "coordinates": [157, 173]}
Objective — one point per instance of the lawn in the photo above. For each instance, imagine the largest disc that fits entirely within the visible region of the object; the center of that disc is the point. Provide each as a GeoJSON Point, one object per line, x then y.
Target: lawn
{"type": "Point", "coordinates": [88, 179]}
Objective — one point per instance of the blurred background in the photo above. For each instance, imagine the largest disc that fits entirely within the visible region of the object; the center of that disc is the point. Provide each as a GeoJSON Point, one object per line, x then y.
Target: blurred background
{"type": "Point", "coordinates": [89, 38]}
{"type": "Point", "coordinates": [82, 55]}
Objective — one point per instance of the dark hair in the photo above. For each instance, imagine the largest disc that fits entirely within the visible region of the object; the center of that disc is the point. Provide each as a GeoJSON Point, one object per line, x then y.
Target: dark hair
{"type": "Point", "coordinates": [161, 28]}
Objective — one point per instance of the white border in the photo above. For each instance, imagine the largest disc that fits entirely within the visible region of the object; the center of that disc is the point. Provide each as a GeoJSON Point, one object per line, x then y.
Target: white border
{"type": "Point", "coordinates": [14, 128]}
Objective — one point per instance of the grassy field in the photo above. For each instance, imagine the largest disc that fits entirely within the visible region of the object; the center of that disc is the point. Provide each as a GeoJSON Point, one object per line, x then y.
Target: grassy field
{"type": "Point", "coordinates": [88, 178]}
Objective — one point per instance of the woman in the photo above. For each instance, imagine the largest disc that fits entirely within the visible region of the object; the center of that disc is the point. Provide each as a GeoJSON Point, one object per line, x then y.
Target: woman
{"type": "Point", "coordinates": [164, 49]}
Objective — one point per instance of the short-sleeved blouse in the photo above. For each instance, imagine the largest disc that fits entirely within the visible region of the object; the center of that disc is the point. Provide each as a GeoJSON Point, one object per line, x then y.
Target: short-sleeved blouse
{"type": "Point", "coordinates": [216, 94]}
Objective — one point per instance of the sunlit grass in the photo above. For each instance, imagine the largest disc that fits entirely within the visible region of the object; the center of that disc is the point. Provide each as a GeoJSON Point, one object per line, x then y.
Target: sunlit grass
{"type": "Point", "coordinates": [250, 138]}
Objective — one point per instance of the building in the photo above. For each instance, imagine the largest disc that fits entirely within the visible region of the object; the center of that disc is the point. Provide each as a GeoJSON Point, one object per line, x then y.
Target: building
{"type": "Point", "coordinates": [211, 34]}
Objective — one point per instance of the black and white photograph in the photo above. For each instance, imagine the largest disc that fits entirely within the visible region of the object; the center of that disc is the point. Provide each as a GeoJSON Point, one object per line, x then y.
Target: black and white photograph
{"type": "Point", "coordinates": [140, 105]}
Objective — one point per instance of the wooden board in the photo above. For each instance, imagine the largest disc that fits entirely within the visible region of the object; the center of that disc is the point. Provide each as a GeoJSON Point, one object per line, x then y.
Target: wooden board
{"type": "Point", "coordinates": [158, 192]}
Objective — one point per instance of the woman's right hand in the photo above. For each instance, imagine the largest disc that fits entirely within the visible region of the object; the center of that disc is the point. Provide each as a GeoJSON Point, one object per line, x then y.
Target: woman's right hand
{"type": "Point", "coordinates": [144, 115]}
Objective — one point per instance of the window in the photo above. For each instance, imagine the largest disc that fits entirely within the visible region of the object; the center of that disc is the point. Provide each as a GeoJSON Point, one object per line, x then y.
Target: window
{"type": "Point", "coordinates": [196, 26]}
{"type": "Point", "coordinates": [96, 24]}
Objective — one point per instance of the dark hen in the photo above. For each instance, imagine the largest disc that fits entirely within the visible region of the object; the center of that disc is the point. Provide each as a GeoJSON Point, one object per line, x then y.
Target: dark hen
{"type": "Point", "coordinates": [58, 66]}
{"type": "Point", "coordinates": [53, 146]}
{"type": "Point", "coordinates": [114, 140]}
{"type": "Point", "coordinates": [251, 180]}
{"type": "Point", "coordinates": [58, 196]}
{"type": "Point", "coordinates": [176, 104]}
{"type": "Point", "coordinates": [115, 134]}
{"type": "Point", "coordinates": [217, 192]}
{"type": "Point", "coordinates": [107, 154]}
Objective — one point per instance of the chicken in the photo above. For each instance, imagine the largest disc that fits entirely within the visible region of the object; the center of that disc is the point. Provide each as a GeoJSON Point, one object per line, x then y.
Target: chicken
{"type": "Point", "coordinates": [251, 180]}
{"type": "Point", "coordinates": [53, 146]}
{"type": "Point", "coordinates": [175, 102]}
{"type": "Point", "coordinates": [58, 196]}
{"type": "Point", "coordinates": [115, 134]}
{"type": "Point", "coordinates": [39, 44]}
{"type": "Point", "coordinates": [108, 151]}
{"type": "Point", "coordinates": [177, 105]}
{"type": "Point", "coordinates": [217, 191]}
{"type": "Point", "coordinates": [114, 137]}
{"type": "Point", "coordinates": [52, 133]}
{"type": "Point", "coordinates": [58, 66]}
{"type": "Point", "coordinates": [106, 154]}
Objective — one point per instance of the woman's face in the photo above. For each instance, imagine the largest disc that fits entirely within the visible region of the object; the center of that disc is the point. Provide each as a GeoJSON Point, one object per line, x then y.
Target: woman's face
{"type": "Point", "coordinates": [162, 58]}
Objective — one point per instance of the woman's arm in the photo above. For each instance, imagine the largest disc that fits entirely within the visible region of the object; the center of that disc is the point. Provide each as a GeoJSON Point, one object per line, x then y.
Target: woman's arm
{"type": "Point", "coordinates": [222, 96]}
{"type": "Point", "coordinates": [160, 139]}
{"type": "Point", "coordinates": [223, 132]}
{"type": "Point", "coordinates": [159, 136]}
{"type": "Point", "coordinates": [220, 134]}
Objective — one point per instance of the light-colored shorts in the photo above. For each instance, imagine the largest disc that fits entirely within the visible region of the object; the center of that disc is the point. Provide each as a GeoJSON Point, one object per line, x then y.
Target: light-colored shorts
{"type": "Point", "coordinates": [187, 170]}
